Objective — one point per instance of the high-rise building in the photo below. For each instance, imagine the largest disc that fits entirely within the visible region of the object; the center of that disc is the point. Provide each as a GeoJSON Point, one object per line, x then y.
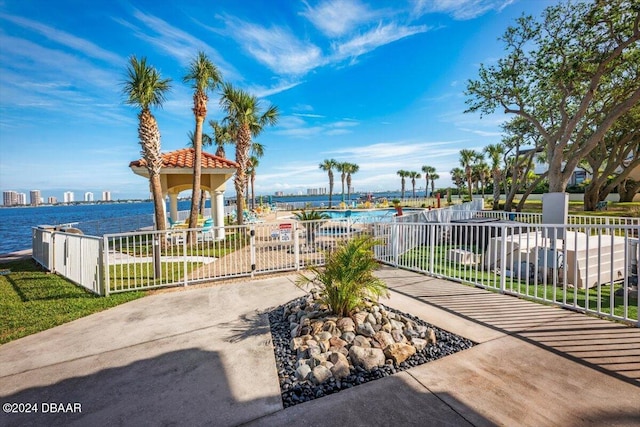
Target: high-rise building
{"type": "Point", "coordinates": [34, 196]}
{"type": "Point", "coordinates": [52, 200]}
{"type": "Point", "coordinates": [68, 196]}
{"type": "Point", "coordinates": [88, 196]}
{"type": "Point", "coordinates": [22, 199]}
{"type": "Point", "coordinates": [9, 198]}
{"type": "Point", "coordinates": [106, 196]}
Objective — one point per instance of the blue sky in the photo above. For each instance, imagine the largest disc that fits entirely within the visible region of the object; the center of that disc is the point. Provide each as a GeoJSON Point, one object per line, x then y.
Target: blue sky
{"type": "Point", "coordinates": [378, 83]}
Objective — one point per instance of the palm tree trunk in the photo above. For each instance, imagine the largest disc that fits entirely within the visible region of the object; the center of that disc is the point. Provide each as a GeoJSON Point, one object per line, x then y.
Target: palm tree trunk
{"type": "Point", "coordinates": [197, 174]}
{"type": "Point", "coordinates": [242, 158]}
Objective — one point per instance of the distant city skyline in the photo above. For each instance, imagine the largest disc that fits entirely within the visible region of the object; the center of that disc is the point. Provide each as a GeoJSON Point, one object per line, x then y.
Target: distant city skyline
{"type": "Point", "coordinates": [376, 83]}
{"type": "Point", "coordinates": [14, 198]}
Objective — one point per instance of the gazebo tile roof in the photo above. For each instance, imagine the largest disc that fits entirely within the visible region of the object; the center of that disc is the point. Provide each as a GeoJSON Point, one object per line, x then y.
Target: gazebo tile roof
{"type": "Point", "coordinates": [184, 159]}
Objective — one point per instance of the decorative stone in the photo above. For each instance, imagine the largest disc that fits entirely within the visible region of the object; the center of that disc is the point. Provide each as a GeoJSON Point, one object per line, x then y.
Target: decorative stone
{"type": "Point", "coordinates": [398, 335]}
{"type": "Point", "coordinates": [316, 327]}
{"type": "Point", "coordinates": [421, 330]}
{"type": "Point", "coordinates": [366, 329]}
{"type": "Point", "coordinates": [384, 338]}
{"type": "Point", "coordinates": [361, 341]}
{"type": "Point", "coordinates": [367, 358]}
{"type": "Point", "coordinates": [419, 343]}
{"type": "Point", "coordinates": [431, 336]}
{"type": "Point", "coordinates": [302, 372]}
{"type": "Point", "coordinates": [348, 336]}
{"type": "Point", "coordinates": [336, 342]}
{"type": "Point", "coordinates": [345, 324]}
{"type": "Point", "coordinates": [320, 374]}
{"type": "Point", "coordinates": [371, 319]}
{"type": "Point", "coordinates": [399, 352]}
{"type": "Point", "coordinates": [324, 336]}
{"type": "Point", "coordinates": [340, 369]}
{"type": "Point", "coordinates": [331, 328]}
{"type": "Point", "coordinates": [395, 324]}
{"type": "Point", "coordinates": [360, 317]}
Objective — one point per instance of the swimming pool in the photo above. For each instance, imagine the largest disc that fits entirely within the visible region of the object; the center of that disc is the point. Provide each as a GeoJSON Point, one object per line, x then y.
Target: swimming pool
{"type": "Point", "coordinates": [355, 213]}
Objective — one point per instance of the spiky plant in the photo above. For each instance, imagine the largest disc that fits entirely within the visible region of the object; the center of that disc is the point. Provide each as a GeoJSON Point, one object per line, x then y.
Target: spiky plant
{"type": "Point", "coordinates": [346, 281]}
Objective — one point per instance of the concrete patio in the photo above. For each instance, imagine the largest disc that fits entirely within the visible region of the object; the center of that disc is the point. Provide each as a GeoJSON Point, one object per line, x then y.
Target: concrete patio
{"type": "Point", "coordinates": [203, 355]}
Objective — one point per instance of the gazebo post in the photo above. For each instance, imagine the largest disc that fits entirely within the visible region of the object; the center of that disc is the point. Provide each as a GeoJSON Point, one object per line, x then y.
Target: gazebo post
{"type": "Point", "coordinates": [173, 206]}
{"type": "Point", "coordinates": [217, 212]}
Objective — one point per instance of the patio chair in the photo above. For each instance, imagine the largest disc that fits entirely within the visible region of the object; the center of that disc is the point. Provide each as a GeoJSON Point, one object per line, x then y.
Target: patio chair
{"type": "Point", "coordinates": [206, 232]}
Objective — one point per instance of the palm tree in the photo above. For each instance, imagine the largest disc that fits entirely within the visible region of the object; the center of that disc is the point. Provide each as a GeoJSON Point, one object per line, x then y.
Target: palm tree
{"type": "Point", "coordinates": [467, 159]}
{"type": "Point", "coordinates": [221, 136]}
{"type": "Point", "coordinates": [251, 172]}
{"type": "Point", "coordinates": [457, 176]}
{"type": "Point", "coordinates": [351, 169]}
{"type": "Point", "coordinates": [428, 170]}
{"type": "Point", "coordinates": [203, 76]}
{"type": "Point", "coordinates": [481, 169]}
{"type": "Point", "coordinates": [403, 174]}
{"type": "Point", "coordinates": [257, 152]}
{"type": "Point", "coordinates": [342, 168]}
{"type": "Point", "coordinates": [495, 152]}
{"type": "Point", "coordinates": [206, 141]}
{"type": "Point", "coordinates": [433, 177]}
{"type": "Point", "coordinates": [328, 165]}
{"type": "Point", "coordinates": [414, 175]}
{"type": "Point", "coordinates": [244, 120]}
{"type": "Point", "coordinates": [144, 88]}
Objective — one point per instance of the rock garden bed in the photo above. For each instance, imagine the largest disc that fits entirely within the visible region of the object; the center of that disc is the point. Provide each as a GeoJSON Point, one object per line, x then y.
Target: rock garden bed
{"type": "Point", "coordinates": [319, 353]}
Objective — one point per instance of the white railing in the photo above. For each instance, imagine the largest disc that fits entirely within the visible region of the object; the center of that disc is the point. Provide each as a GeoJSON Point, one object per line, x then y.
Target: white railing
{"type": "Point", "coordinates": [74, 256]}
{"type": "Point", "coordinates": [593, 269]}
{"type": "Point", "coordinates": [152, 259]}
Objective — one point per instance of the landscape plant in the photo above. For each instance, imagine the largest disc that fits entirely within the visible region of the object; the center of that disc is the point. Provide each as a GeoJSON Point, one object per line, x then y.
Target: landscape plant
{"type": "Point", "coordinates": [308, 216]}
{"type": "Point", "coordinates": [347, 281]}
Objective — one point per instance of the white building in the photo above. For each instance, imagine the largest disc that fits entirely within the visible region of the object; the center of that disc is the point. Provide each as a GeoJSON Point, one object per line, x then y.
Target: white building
{"type": "Point", "coordinates": [35, 197]}
{"type": "Point", "coordinates": [9, 198]}
{"type": "Point", "coordinates": [106, 196]}
{"type": "Point", "coordinates": [88, 196]}
{"type": "Point", "coordinates": [68, 197]}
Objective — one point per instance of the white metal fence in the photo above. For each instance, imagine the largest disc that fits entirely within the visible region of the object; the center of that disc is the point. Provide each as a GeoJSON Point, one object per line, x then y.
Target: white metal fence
{"type": "Point", "coordinates": [587, 267]}
{"type": "Point", "coordinates": [590, 268]}
{"type": "Point", "coordinates": [74, 256]}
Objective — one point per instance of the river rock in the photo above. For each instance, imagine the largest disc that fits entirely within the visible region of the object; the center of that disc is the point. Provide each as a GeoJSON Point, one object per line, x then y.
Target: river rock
{"type": "Point", "coordinates": [320, 374]}
{"type": "Point", "coordinates": [302, 372]}
{"type": "Point", "coordinates": [419, 343]}
{"type": "Point", "coordinates": [399, 352]}
{"type": "Point", "coordinates": [367, 358]}
{"type": "Point", "coordinates": [366, 329]}
{"type": "Point", "coordinates": [384, 339]}
{"type": "Point", "coordinates": [345, 324]}
{"type": "Point", "coordinates": [361, 341]}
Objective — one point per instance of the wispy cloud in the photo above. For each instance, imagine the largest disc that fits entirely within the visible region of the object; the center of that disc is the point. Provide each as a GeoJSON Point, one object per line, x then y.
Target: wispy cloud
{"type": "Point", "coordinates": [296, 125]}
{"type": "Point", "coordinates": [174, 41]}
{"type": "Point", "coordinates": [276, 47]}
{"type": "Point", "coordinates": [482, 132]}
{"type": "Point", "coordinates": [372, 39]}
{"type": "Point", "coordinates": [460, 9]}
{"type": "Point", "coordinates": [78, 44]}
{"type": "Point", "coordinates": [336, 18]}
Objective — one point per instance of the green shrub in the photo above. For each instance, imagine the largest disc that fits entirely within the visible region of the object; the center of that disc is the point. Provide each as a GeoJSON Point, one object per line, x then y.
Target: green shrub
{"type": "Point", "coordinates": [347, 280]}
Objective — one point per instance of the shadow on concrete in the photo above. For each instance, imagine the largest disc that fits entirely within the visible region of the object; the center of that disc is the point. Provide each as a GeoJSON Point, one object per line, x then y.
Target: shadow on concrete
{"type": "Point", "coordinates": [186, 387]}
{"type": "Point", "coordinates": [247, 326]}
{"type": "Point", "coordinates": [397, 400]}
{"type": "Point", "coordinates": [605, 346]}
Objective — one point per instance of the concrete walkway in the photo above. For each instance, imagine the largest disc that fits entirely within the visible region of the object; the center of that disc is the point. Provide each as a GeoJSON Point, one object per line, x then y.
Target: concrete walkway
{"type": "Point", "coordinates": [204, 357]}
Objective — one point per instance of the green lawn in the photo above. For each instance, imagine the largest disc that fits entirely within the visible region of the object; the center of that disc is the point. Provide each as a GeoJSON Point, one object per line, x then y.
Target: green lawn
{"type": "Point", "coordinates": [128, 275]}
{"type": "Point", "coordinates": [419, 258]}
{"type": "Point", "coordinates": [32, 300]}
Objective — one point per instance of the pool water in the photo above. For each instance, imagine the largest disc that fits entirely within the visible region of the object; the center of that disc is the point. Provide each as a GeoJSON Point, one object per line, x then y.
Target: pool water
{"type": "Point", "coordinates": [337, 214]}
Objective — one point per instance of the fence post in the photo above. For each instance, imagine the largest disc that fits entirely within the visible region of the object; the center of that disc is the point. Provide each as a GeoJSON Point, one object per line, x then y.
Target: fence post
{"type": "Point", "coordinates": [296, 248]}
{"type": "Point", "coordinates": [395, 242]}
{"type": "Point", "coordinates": [432, 247]}
{"type": "Point", "coordinates": [503, 259]}
{"type": "Point", "coordinates": [184, 258]}
{"type": "Point", "coordinates": [252, 245]}
{"type": "Point", "coordinates": [104, 262]}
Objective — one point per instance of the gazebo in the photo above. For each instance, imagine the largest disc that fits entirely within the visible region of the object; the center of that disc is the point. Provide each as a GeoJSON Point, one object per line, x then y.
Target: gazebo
{"type": "Point", "coordinates": [176, 175]}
